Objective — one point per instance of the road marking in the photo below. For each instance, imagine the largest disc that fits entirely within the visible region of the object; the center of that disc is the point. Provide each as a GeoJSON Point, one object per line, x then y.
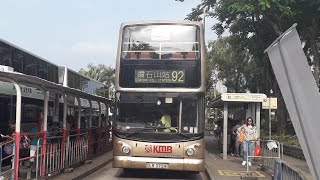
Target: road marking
{"type": "Point", "coordinates": [239, 173]}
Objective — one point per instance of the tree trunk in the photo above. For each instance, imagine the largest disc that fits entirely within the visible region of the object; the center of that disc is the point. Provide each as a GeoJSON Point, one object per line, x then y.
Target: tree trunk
{"type": "Point", "coordinates": [282, 116]}
{"type": "Point", "coordinates": [314, 50]}
{"type": "Point", "coordinates": [281, 112]}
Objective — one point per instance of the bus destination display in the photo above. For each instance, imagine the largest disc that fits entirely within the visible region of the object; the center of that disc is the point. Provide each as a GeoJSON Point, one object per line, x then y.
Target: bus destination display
{"type": "Point", "coordinates": [159, 76]}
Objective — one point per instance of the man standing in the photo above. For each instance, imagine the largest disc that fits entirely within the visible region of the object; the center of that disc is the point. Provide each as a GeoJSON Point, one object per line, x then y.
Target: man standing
{"type": "Point", "coordinates": [36, 136]}
{"type": "Point", "coordinates": [234, 134]}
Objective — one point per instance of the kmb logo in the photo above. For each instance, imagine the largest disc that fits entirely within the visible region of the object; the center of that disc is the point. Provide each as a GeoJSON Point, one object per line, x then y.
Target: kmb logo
{"type": "Point", "coordinates": [158, 149]}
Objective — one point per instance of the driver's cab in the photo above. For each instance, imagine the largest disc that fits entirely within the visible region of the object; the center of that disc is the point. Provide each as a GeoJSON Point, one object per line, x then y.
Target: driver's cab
{"type": "Point", "coordinates": [144, 113]}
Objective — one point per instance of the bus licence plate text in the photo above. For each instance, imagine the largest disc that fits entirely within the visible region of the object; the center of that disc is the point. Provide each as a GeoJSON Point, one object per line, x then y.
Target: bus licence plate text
{"type": "Point", "coordinates": [157, 165]}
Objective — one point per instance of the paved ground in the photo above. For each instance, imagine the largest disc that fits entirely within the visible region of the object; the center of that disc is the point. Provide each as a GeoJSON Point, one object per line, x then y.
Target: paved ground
{"type": "Point", "coordinates": [108, 172]}
{"type": "Point", "coordinates": [216, 167]}
{"type": "Point", "coordinates": [87, 169]}
{"type": "Point", "coordinates": [230, 168]}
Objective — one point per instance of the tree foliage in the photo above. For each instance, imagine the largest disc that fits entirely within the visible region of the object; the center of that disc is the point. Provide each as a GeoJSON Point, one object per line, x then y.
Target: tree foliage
{"type": "Point", "coordinates": [253, 25]}
{"type": "Point", "coordinates": [101, 73]}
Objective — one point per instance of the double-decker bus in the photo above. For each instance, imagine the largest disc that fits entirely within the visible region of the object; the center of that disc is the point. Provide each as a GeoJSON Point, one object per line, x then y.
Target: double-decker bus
{"type": "Point", "coordinates": [160, 96]}
{"type": "Point", "coordinates": [23, 61]}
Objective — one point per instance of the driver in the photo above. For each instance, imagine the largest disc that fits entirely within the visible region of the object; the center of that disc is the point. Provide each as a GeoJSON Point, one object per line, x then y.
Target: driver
{"type": "Point", "coordinates": [166, 121]}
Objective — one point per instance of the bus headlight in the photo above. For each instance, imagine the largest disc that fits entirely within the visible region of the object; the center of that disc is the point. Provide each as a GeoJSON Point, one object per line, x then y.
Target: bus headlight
{"type": "Point", "coordinates": [190, 152]}
{"type": "Point", "coordinates": [126, 150]}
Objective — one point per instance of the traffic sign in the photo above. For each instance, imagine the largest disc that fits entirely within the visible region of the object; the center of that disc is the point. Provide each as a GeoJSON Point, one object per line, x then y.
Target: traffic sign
{"type": "Point", "coordinates": [269, 103]}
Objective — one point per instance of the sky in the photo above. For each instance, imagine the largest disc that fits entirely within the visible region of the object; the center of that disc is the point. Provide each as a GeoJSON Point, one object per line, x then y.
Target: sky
{"type": "Point", "coordinates": [74, 33]}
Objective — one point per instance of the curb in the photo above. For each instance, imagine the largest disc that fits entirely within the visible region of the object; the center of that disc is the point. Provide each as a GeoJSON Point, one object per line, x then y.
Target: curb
{"type": "Point", "coordinates": [91, 171]}
{"type": "Point", "coordinates": [209, 173]}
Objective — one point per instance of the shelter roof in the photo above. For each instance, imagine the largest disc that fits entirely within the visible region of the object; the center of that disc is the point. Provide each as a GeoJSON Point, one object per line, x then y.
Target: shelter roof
{"type": "Point", "coordinates": [34, 81]}
{"type": "Point", "coordinates": [236, 99]}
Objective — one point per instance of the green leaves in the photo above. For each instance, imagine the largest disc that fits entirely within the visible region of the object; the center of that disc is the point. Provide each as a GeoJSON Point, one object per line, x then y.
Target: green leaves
{"type": "Point", "coordinates": [101, 73]}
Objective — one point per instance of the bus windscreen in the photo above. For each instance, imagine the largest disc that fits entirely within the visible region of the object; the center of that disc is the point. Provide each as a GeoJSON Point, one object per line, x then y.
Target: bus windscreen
{"type": "Point", "coordinates": [160, 56]}
{"type": "Point", "coordinates": [160, 42]}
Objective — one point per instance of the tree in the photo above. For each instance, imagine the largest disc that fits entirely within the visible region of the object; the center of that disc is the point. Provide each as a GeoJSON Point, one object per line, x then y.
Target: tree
{"type": "Point", "coordinates": [231, 63]}
{"type": "Point", "coordinates": [255, 24]}
{"type": "Point", "coordinates": [101, 73]}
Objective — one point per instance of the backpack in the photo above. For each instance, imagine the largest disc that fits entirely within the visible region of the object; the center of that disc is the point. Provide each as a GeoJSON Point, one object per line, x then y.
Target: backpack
{"type": "Point", "coordinates": [241, 137]}
{"type": "Point", "coordinates": [8, 148]}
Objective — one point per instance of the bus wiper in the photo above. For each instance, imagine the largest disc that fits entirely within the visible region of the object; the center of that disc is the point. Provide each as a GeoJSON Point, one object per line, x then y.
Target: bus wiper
{"type": "Point", "coordinates": [183, 135]}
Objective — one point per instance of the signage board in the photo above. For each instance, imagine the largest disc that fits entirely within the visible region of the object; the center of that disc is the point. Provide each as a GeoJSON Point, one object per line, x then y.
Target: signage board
{"type": "Point", "coordinates": [159, 76]}
{"type": "Point", "coordinates": [30, 92]}
{"type": "Point", "coordinates": [243, 97]}
{"type": "Point", "coordinates": [269, 103]}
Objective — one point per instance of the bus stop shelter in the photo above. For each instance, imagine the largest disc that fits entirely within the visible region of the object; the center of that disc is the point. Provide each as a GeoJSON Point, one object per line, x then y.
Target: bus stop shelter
{"type": "Point", "coordinates": [250, 101]}
{"type": "Point", "coordinates": [45, 86]}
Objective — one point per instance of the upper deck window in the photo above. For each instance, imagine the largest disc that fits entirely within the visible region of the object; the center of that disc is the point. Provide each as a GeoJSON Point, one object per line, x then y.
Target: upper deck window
{"type": "Point", "coordinates": [160, 42]}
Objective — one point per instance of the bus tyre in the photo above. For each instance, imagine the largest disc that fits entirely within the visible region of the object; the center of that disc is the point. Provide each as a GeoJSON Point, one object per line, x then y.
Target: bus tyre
{"type": "Point", "coordinates": [126, 171]}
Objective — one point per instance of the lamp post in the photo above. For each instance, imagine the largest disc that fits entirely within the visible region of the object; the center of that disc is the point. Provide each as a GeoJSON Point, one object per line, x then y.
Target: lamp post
{"type": "Point", "coordinates": [271, 91]}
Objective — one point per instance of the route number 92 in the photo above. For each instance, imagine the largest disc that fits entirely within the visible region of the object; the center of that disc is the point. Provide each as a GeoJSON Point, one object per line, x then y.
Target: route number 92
{"type": "Point", "coordinates": [177, 76]}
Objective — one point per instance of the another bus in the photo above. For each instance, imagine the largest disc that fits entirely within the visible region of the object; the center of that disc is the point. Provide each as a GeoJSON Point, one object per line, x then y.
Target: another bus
{"type": "Point", "coordinates": [160, 96]}
{"type": "Point", "coordinates": [23, 61]}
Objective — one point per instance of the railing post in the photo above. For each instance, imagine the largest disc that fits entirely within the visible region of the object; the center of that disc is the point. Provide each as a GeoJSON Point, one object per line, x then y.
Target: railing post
{"type": "Point", "coordinates": [63, 143]}
{"type": "Point", "coordinates": [78, 117]}
{"type": "Point", "coordinates": [89, 142]}
{"type": "Point", "coordinates": [99, 140]}
{"type": "Point", "coordinates": [43, 153]}
{"type": "Point", "coordinates": [66, 160]}
{"type": "Point", "coordinates": [90, 131]}
{"type": "Point", "coordinates": [107, 138]}
{"type": "Point", "coordinates": [16, 159]}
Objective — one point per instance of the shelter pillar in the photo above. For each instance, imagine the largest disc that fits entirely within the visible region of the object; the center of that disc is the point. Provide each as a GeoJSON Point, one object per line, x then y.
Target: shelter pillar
{"type": "Point", "coordinates": [258, 124]}
{"type": "Point", "coordinates": [79, 117]}
{"type": "Point", "coordinates": [17, 133]}
{"type": "Point", "coordinates": [99, 128]}
{"type": "Point", "coordinates": [253, 111]}
{"type": "Point", "coordinates": [65, 129]}
{"type": "Point", "coordinates": [90, 130]}
{"type": "Point", "coordinates": [45, 127]}
{"type": "Point", "coordinates": [248, 110]}
{"type": "Point", "coordinates": [225, 130]}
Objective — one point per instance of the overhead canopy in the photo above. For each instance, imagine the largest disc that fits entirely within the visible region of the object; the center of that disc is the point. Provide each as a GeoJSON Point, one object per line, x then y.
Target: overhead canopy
{"type": "Point", "coordinates": [236, 99]}
{"type": "Point", "coordinates": [49, 86]}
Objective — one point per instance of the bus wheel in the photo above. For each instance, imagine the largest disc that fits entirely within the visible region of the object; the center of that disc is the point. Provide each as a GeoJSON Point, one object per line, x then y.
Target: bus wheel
{"type": "Point", "coordinates": [126, 171]}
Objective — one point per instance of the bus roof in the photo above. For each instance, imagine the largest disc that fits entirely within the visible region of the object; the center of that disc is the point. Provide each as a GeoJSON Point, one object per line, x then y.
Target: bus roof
{"type": "Point", "coordinates": [84, 76]}
{"type": "Point", "coordinates": [28, 52]}
{"type": "Point", "coordinates": [185, 22]}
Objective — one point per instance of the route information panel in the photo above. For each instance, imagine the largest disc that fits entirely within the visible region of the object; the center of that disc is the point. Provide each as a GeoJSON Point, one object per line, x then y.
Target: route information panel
{"type": "Point", "coordinates": [159, 76]}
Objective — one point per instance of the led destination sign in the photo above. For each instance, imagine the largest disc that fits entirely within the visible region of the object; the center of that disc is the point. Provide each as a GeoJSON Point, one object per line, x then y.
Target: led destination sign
{"type": "Point", "coordinates": [159, 76]}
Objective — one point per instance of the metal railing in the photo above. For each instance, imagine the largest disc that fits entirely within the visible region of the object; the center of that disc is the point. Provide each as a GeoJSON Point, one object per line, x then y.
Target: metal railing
{"type": "Point", "coordinates": [77, 149]}
{"type": "Point", "coordinates": [6, 153]}
{"type": "Point", "coordinates": [271, 150]}
{"type": "Point", "coordinates": [283, 171]}
{"type": "Point", "coordinates": [50, 155]}
{"type": "Point", "coordinates": [274, 152]}
{"type": "Point", "coordinates": [56, 153]}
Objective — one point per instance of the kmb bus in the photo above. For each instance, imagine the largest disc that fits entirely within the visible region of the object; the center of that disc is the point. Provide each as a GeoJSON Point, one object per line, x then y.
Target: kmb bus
{"type": "Point", "coordinates": [160, 96]}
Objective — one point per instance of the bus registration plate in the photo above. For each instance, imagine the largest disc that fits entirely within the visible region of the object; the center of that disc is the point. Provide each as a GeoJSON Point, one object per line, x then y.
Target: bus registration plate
{"type": "Point", "coordinates": [157, 165]}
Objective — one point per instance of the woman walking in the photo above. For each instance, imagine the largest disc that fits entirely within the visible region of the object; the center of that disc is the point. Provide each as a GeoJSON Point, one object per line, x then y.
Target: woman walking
{"type": "Point", "coordinates": [250, 134]}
